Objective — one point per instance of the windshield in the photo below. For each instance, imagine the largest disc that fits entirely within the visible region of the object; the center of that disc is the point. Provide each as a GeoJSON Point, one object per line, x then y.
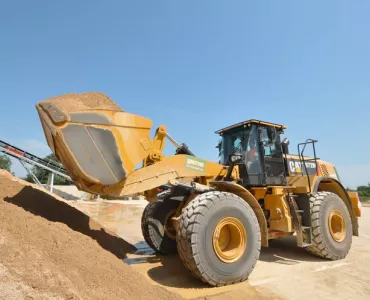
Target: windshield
{"type": "Point", "coordinates": [236, 141]}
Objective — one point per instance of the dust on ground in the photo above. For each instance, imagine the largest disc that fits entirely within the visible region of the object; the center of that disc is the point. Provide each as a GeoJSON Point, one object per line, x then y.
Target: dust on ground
{"type": "Point", "coordinates": [50, 250]}
{"type": "Point", "coordinates": [76, 102]}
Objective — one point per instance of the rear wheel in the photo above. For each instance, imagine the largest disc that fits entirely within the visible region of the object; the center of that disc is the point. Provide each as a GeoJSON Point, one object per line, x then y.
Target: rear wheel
{"type": "Point", "coordinates": [218, 238]}
{"type": "Point", "coordinates": [157, 226]}
{"type": "Point", "coordinates": [331, 226]}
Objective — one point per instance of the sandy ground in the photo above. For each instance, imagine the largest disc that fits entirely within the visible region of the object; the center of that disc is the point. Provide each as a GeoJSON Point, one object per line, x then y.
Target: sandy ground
{"type": "Point", "coordinates": [284, 271]}
{"type": "Point", "coordinates": [50, 250]}
{"type": "Point", "coordinates": [56, 249]}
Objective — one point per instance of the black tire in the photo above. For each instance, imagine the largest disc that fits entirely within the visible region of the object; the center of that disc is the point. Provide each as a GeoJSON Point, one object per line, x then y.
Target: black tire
{"type": "Point", "coordinates": [195, 238]}
{"type": "Point", "coordinates": [153, 222]}
{"type": "Point", "coordinates": [323, 243]}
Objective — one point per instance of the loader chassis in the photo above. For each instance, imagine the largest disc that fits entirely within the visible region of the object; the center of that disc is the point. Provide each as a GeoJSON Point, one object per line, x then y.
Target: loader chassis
{"type": "Point", "coordinates": [216, 216]}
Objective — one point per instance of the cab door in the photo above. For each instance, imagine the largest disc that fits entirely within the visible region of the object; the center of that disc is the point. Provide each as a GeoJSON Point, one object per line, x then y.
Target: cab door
{"type": "Point", "coordinates": [272, 156]}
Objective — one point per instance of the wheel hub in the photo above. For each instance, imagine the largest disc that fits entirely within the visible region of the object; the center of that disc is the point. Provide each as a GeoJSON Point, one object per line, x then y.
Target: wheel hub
{"type": "Point", "coordinates": [337, 226]}
{"type": "Point", "coordinates": [229, 240]}
{"type": "Point", "coordinates": [169, 227]}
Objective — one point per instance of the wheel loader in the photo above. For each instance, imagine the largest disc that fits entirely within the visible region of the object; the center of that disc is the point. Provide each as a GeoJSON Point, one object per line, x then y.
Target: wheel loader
{"type": "Point", "coordinates": [215, 215]}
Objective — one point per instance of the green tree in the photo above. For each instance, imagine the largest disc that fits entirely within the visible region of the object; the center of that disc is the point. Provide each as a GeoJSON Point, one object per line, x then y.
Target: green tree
{"type": "Point", "coordinates": [364, 192]}
{"type": "Point", "coordinates": [5, 163]}
{"type": "Point", "coordinates": [43, 175]}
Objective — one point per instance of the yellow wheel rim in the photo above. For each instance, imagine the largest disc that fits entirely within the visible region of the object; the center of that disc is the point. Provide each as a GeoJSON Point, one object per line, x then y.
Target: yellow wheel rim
{"type": "Point", "coordinates": [229, 240]}
{"type": "Point", "coordinates": [169, 227]}
{"type": "Point", "coordinates": [337, 226]}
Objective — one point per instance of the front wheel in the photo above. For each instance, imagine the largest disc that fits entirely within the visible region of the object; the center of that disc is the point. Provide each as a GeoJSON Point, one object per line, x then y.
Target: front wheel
{"type": "Point", "coordinates": [218, 238]}
{"type": "Point", "coordinates": [157, 226]}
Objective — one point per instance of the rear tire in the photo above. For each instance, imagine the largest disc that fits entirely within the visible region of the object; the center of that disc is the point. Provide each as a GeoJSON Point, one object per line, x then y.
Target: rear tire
{"type": "Point", "coordinates": [218, 238]}
{"type": "Point", "coordinates": [331, 226]}
{"type": "Point", "coordinates": [156, 224]}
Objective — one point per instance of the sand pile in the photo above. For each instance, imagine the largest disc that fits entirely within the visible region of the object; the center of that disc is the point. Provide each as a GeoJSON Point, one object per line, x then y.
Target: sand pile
{"type": "Point", "coordinates": [50, 250]}
{"type": "Point", "coordinates": [75, 102]}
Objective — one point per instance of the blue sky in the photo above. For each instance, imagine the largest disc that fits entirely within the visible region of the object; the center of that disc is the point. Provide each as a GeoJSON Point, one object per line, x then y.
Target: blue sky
{"type": "Point", "coordinates": [197, 66]}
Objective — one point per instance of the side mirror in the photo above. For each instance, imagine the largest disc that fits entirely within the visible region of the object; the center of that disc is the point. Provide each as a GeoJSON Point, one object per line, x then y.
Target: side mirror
{"type": "Point", "coordinates": [285, 145]}
{"type": "Point", "coordinates": [219, 145]}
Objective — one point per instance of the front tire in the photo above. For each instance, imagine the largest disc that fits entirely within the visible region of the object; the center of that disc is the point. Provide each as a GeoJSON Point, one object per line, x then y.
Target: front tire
{"type": "Point", "coordinates": [331, 226]}
{"type": "Point", "coordinates": [218, 238]}
{"type": "Point", "coordinates": [157, 227]}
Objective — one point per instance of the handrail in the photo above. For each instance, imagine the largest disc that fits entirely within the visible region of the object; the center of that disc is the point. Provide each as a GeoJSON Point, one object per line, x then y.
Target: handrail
{"type": "Point", "coordinates": [303, 161]}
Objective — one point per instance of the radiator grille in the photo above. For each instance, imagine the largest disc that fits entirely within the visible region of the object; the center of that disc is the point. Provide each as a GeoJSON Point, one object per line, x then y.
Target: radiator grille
{"type": "Point", "coordinates": [324, 170]}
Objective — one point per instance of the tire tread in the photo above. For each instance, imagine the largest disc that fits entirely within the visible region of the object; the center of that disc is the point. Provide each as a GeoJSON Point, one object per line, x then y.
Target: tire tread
{"type": "Point", "coordinates": [148, 234]}
{"type": "Point", "coordinates": [187, 248]}
{"type": "Point", "coordinates": [319, 247]}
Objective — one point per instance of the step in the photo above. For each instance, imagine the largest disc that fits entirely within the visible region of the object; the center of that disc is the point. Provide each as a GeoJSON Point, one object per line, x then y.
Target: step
{"type": "Point", "coordinates": [300, 242]}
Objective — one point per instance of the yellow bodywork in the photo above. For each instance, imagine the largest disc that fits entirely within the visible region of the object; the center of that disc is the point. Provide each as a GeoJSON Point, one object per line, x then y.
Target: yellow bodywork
{"type": "Point", "coordinates": [280, 219]}
{"type": "Point", "coordinates": [356, 204]}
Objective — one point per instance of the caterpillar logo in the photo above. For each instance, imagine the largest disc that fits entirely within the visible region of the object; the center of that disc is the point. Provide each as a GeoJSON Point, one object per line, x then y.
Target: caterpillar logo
{"type": "Point", "coordinates": [297, 167]}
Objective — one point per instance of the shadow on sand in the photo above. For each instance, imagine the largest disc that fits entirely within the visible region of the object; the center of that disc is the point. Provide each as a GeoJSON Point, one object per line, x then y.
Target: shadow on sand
{"type": "Point", "coordinates": [46, 206]}
{"type": "Point", "coordinates": [285, 251]}
{"type": "Point", "coordinates": [169, 271]}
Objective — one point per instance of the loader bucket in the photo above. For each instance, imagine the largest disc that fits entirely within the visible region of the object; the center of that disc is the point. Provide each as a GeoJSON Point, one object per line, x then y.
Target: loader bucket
{"type": "Point", "coordinates": [97, 142]}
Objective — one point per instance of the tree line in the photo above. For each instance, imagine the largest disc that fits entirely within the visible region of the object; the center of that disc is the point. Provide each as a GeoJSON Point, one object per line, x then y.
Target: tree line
{"type": "Point", "coordinates": [363, 192]}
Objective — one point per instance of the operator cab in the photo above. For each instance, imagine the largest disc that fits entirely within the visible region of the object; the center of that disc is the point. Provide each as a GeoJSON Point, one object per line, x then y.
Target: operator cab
{"type": "Point", "coordinates": [255, 147]}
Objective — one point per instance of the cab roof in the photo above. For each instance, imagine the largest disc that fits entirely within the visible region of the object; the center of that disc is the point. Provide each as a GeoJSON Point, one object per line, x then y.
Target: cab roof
{"type": "Point", "coordinates": [252, 121]}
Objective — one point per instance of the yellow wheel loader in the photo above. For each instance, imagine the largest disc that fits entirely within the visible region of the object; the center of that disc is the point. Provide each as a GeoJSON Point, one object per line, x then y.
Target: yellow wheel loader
{"type": "Point", "coordinates": [215, 215]}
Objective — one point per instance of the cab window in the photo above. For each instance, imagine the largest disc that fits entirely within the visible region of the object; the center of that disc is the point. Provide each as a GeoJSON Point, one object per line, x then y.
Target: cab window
{"type": "Point", "coordinates": [268, 141]}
